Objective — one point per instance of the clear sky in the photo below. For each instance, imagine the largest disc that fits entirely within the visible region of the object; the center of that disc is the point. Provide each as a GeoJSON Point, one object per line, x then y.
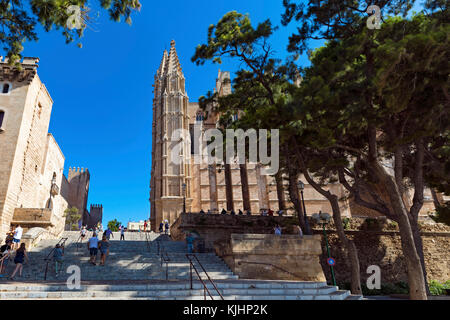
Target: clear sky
{"type": "Point", "coordinates": [102, 112]}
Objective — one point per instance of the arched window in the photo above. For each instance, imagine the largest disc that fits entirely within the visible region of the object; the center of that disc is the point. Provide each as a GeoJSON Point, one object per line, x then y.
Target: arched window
{"type": "Point", "coordinates": [49, 204]}
{"type": "Point", "coordinates": [2, 117]}
{"type": "Point", "coordinates": [6, 87]}
{"type": "Point", "coordinates": [200, 116]}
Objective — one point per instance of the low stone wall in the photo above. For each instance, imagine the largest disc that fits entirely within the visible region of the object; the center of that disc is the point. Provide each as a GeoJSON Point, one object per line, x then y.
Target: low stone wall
{"type": "Point", "coordinates": [377, 240]}
{"type": "Point", "coordinates": [217, 228]}
{"type": "Point", "coordinates": [271, 257]}
{"type": "Point", "coordinates": [384, 249]}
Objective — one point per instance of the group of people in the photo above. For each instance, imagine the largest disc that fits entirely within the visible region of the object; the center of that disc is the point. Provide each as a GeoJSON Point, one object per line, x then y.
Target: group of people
{"type": "Point", "coordinates": [95, 245]}
{"type": "Point", "coordinates": [13, 246]}
{"type": "Point", "coordinates": [264, 212]}
{"type": "Point", "coordinates": [164, 227]}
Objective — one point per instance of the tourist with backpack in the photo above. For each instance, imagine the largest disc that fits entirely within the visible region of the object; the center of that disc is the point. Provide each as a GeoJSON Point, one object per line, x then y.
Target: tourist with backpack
{"type": "Point", "coordinates": [58, 254]}
{"type": "Point", "coordinates": [21, 256]}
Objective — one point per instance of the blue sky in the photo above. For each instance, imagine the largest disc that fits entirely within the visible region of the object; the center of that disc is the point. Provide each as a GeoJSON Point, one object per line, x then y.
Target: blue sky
{"type": "Point", "coordinates": [102, 112]}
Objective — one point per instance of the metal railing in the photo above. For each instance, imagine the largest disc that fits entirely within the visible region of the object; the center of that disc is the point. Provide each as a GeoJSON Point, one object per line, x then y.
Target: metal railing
{"type": "Point", "coordinates": [61, 242]}
{"type": "Point", "coordinates": [165, 259]}
{"type": "Point", "coordinates": [78, 243]}
{"type": "Point", "coordinates": [189, 256]}
{"type": "Point", "coordinates": [269, 265]}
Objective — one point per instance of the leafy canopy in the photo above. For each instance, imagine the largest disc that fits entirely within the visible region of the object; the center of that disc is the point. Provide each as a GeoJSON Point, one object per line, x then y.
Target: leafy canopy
{"type": "Point", "coordinates": [19, 19]}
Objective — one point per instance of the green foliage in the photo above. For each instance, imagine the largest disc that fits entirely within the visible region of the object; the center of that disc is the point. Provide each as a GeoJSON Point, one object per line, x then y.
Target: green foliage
{"type": "Point", "coordinates": [72, 217]}
{"type": "Point", "coordinates": [114, 225]}
{"type": "Point", "coordinates": [346, 223]}
{"type": "Point", "coordinates": [18, 22]}
{"type": "Point", "coordinates": [439, 289]}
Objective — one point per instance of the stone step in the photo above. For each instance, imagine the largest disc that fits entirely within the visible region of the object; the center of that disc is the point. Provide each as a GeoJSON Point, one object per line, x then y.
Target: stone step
{"type": "Point", "coordinates": [161, 295]}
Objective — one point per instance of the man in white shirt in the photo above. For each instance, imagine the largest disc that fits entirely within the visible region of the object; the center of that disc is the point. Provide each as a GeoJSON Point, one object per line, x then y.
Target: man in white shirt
{"type": "Point", "coordinates": [17, 236]}
{"type": "Point", "coordinates": [93, 248]}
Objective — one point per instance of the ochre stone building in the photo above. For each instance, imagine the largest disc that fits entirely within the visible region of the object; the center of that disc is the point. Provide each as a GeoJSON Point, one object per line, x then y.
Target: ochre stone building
{"type": "Point", "coordinates": [206, 185]}
{"type": "Point", "coordinates": [33, 189]}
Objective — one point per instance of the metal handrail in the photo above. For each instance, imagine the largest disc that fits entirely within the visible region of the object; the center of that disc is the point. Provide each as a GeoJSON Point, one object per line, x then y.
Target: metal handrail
{"type": "Point", "coordinates": [270, 265]}
{"type": "Point", "coordinates": [61, 242]}
{"type": "Point", "coordinates": [78, 242]}
{"type": "Point", "coordinates": [165, 259]}
{"type": "Point", "coordinates": [147, 241]}
{"type": "Point", "coordinates": [191, 263]}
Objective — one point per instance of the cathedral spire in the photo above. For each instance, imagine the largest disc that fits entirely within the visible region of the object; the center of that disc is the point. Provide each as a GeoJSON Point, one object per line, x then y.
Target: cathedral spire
{"type": "Point", "coordinates": [163, 64]}
{"type": "Point", "coordinates": [173, 64]}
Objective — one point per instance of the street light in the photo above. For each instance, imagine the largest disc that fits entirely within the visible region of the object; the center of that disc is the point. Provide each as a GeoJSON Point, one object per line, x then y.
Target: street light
{"type": "Point", "coordinates": [324, 219]}
{"type": "Point", "coordinates": [301, 187]}
{"type": "Point", "coordinates": [184, 197]}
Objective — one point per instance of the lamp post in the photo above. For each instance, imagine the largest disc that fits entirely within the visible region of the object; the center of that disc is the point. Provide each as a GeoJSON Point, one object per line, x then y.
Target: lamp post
{"type": "Point", "coordinates": [301, 187]}
{"type": "Point", "coordinates": [184, 197]}
{"type": "Point", "coordinates": [324, 219]}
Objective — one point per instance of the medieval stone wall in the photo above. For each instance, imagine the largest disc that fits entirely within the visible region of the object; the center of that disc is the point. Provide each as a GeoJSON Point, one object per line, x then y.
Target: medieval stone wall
{"type": "Point", "coordinates": [31, 162]}
{"type": "Point", "coordinates": [377, 240]}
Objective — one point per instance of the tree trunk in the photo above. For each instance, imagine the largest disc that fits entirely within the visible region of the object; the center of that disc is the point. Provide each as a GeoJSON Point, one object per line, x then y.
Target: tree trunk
{"type": "Point", "coordinates": [280, 191]}
{"type": "Point", "coordinates": [415, 273]}
{"type": "Point", "coordinates": [245, 187]}
{"type": "Point", "coordinates": [229, 187]}
{"type": "Point", "coordinates": [352, 253]}
{"type": "Point", "coordinates": [295, 199]}
{"type": "Point", "coordinates": [437, 202]}
{"type": "Point", "coordinates": [419, 246]}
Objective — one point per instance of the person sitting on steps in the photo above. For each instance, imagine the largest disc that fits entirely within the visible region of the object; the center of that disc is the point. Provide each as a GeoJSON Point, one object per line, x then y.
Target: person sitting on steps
{"type": "Point", "coordinates": [224, 211]}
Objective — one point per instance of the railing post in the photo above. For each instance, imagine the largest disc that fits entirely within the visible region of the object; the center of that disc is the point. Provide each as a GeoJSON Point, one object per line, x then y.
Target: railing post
{"type": "Point", "coordinates": [190, 267]}
{"type": "Point", "coordinates": [46, 269]}
{"type": "Point", "coordinates": [167, 271]}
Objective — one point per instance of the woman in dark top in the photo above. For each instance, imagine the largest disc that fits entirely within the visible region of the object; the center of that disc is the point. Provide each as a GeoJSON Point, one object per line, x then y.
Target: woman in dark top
{"type": "Point", "coordinates": [21, 256]}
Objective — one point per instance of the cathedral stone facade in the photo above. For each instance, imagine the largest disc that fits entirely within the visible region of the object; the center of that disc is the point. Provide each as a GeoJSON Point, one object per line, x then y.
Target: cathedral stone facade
{"type": "Point", "coordinates": [201, 186]}
{"type": "Point", "coordinates": [34, 191]}
{"type": "Point", "coordinates": [215, 187]}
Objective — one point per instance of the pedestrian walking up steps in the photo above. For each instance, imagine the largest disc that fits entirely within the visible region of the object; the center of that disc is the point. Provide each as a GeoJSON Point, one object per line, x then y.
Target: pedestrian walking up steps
{"type": "Point", "coordinates": [133, 270]}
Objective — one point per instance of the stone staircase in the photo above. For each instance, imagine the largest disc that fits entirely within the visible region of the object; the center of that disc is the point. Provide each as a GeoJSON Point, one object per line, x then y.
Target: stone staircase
{"type": "Point", "coordinates": [133, 270]}
{"type": "Point", "coordinates": [180, 290]}
{"type": "Point", "coordinates": [132, 259]}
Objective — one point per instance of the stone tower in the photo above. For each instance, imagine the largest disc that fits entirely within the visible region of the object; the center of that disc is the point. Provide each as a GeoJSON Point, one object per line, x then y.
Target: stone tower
{"type": "Point", "coordinates": [95, 216]}
{"type": "Point", "coordinates": [169, 114]}
{"type": "Point", "coordinates": [78, 181]}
